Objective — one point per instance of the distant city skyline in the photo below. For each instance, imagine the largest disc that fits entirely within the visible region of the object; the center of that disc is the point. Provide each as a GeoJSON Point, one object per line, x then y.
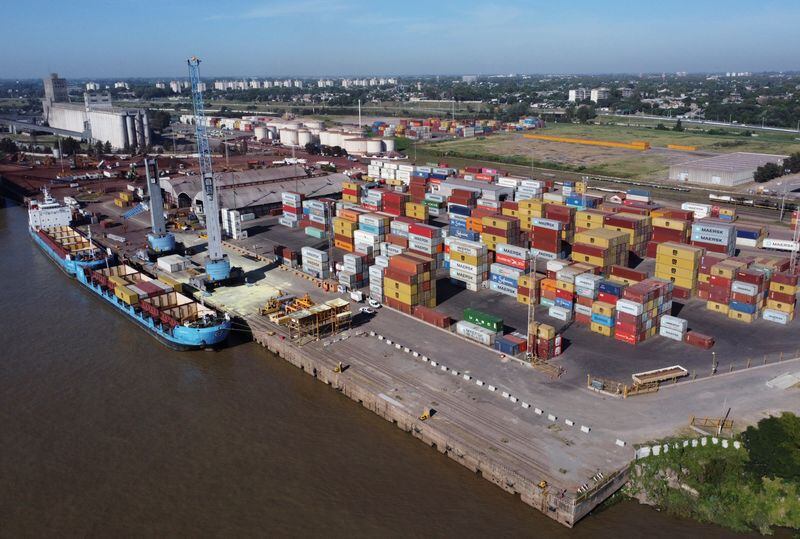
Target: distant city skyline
{"type": "Point", "coordinates": [309, 38]}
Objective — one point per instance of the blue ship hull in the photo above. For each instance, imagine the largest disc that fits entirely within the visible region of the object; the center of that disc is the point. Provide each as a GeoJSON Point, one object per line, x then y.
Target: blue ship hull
{"type": "Point", "coordinates": [178, 338]}
{"type": "Point", "coordinates": [70, 267]}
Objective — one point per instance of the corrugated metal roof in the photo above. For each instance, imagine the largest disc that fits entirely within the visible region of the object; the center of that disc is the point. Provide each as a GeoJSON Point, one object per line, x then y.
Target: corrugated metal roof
{"type": "Point", "coordinates": [256, 187]}
{"type": "Point", "coordinates": [733, 162]}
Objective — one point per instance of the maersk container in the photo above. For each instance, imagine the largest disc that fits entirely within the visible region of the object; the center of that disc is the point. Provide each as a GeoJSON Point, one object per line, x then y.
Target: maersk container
{"type": "Point", "coordinates": [475, 332]}
{"type": "Point", "coordinates": [629, 307]}
{"type": "Point", "coordinates": [564, 303]}
{"type": "Point", "coordinates": [503, 288]}
{"type": "Point", "coordinates": [740, 287]}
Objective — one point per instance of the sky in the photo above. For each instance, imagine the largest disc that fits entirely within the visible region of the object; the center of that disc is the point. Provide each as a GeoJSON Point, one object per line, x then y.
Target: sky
{"type": "Point", "coordinates": [272, 38]}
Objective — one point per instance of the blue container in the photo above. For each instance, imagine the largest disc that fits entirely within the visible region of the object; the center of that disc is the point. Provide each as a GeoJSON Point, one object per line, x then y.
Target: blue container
{"type": "Point", "coordinates": [446, 264]}
{"type": "Point", "coordinates": [742, 307]}
{"type": "Point", "coordinates": [603, 320]}
{"type": "Point", "coordinates": [439, 176]}
{"type": "Point", "coordinates": [502, 279]}
{"type": "Point", "coordinates": [458, 209]}
{"type": "Point", "coordinates": [565, 303]}
{"type": "Point", "coordinates": [749, 234]}
{"type": "Point", "coordinates": [639, 192]}
{"type": "Point", "coordinates": [506, 347]}
{"type": "Point", "coordinates": [611, 288]}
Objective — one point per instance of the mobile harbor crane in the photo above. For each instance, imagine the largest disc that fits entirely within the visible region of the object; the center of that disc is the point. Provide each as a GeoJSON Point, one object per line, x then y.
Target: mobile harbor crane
{"type": "Point", "coordinates": [218, 267]}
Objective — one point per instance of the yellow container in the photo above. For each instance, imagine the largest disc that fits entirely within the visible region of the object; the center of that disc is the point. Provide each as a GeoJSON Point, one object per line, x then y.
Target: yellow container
{"type": "Point", "coordinates": [679, 250]}
{"type": "Point", "coordinates": [683, 282]}
{"type": "Point", "coordinates": [545, 331]}
{"type": "Point", "coordinates": [703, 278]}
{"type": "Point", "coordinates": [127, 295]}
{"type": "Point", "coordinates": [601, 307]}
{"type": "Point", "coordinates": [718, 307]}
{"type": "Point", "coordinates": [683, 263]}
{"type": "Point", "coordinates": [744, 317]}
{"type": "Point", "coordinates": [531, 204]}
{"type": "Point", "coordinates": [780, 306]}
{"type": "Point", "coordinates": [602, 237]}
{"type": "Point", "coordinates": [782, 288]}
{"type": "Point", "coordinates": [494, 222]}
{"type": "Point", "coordinates": [671, 224]}
{"type": "Point", "coordinates": [511, 212]}
{"type": "Point", "coordinates": [564, 285]}
{"type": "Point", "coordinates": [606, 331]}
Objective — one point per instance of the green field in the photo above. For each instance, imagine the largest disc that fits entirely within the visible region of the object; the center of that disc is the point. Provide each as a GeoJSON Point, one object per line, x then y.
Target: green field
{"type": "Point", "coordinates": [650, 165]}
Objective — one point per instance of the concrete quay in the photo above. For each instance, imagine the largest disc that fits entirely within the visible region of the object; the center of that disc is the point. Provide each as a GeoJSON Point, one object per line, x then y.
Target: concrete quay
{"type": "Point", "coordinates": [485, 443]}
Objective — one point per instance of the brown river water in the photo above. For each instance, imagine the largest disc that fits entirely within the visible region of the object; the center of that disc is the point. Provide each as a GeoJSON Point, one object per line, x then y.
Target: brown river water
{"type": "Point", "coordinates": [105, 432]}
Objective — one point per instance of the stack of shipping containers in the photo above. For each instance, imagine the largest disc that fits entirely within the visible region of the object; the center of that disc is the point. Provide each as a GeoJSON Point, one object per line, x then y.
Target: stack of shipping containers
{"type": "Point", "coordinates": [408, 281]}
{"type": "Point", "coordinates": [292, 205]}
{"type": "Point", "coordinates": [680, 264]}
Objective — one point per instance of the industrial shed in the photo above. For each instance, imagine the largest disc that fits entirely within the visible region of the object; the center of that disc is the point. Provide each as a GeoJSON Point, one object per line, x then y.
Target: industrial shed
{"type": "Point", "coordinates": [256, 191]}
{"type": "Point", "coordinates": [727, 170]}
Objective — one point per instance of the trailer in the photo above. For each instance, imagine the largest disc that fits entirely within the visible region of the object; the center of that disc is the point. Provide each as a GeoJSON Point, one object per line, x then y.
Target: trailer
{"type": "Point", "coordinates": [659, 375]}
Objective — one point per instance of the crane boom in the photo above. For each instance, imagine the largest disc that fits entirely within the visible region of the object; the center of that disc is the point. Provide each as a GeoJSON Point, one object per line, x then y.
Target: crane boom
{"type": "Point", "coordinates": [217, 266]}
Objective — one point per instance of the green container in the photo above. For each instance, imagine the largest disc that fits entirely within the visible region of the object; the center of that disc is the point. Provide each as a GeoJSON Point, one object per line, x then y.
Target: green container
{"type": "Point", "coordinates": [316, 233]}
{"type": "Point", "coordinates": [485, 320]}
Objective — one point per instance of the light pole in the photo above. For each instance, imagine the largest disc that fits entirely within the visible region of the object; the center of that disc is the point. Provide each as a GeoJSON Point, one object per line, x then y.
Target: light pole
{"type": "Point", "coordinates": [713, 363]}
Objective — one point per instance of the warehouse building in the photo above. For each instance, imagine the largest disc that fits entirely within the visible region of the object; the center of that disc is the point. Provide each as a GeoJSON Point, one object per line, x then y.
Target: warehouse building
{"type": "Point", "coordinates": [257, 191]}
{"type": "Point", "coordinates": [727, 170]}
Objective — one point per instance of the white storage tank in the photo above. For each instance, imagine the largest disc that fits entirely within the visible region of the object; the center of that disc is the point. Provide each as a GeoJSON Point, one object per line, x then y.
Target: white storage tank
{"type": "Point", "coordinates": [374, 146]}
{"type": "Point", "coordinates": [388, 144]}
{"type": "Point", "coordinates": [313, 124]}
{"type": "Point", "coordinates": [304, 137]}
{"type": "Point", "coordinates": [355, 145]}
{"type": "Point", "coordinates": [260, 133]}
{"type": "Point", "coordinates": [288, 137]}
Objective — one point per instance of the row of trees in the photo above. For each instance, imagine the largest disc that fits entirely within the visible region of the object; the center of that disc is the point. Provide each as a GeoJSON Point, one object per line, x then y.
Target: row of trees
{"type": "Point", "coordinates": [770, 171]}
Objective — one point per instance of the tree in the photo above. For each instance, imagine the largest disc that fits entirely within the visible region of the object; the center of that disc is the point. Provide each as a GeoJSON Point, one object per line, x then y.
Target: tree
{"type": "Point", "coordinates": [70, 146]}
{"type": "Point", "coordinates": [98, 148]}
{"type": "Point", "coordinates": [158, 119]}
{"type": "Point", "coordinates": [678, 126]}
{"type": "Point", "coordinates": [8, 146]}
{"type": "Point", "coordinates": [767, 172]}
{"type": "Point", "coordinates": [661, 127]}
{"type": "Point", "coordinates": [774, 447]}
{"type": "Point", "coordinates": [585, 113]}
{"type": "Point", "coordinates": [791, 164]}
{"type": "Point", "coordinates": [107, 147]}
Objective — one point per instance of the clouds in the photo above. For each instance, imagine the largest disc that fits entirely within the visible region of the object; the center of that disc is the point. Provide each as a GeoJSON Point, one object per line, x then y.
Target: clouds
{"type": "Point", "coordinates": [276, 10]}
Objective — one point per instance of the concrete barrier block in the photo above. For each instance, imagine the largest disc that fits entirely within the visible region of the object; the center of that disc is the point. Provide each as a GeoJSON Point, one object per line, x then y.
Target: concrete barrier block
{"type": "Point", "coordinates": [479, 382]}
{"type": "Point", "coordinates": [406, 349]}
{"type": "Point", "coordinates": [737, 445]}
{"type": "Point", "coordinates": [512, 398]}
{"type": "Point", "coordinates": [551, 417]}
{"type": "Point", "coordinates": [505, 394]}
{"type": "Point", "coordinates": [415, 354]}
{"type": "Point", "coordinates": [538, 411]}
{"type": "Point", "coordinates": [397, 345]}
{"type": "Point", "coordinates": [569, 422]}
{"type": "Point", "coordinates": [585, 429]}
{"type": "Point", "coordinates": [620, 443]}
{"type": "Point", "coordinates": [467, 377]}
{"type": "Point", "coordinates": [433, 363]}
{"type": "Point", "coordinates": [492, 388]}
{"type": "Point", "coordinates": [380, 337]}
{"type": "Point", "coordinates": [454, 373]}
{"type": "Point", "coordinates": [525, 405]}
{"type": "Point", "coordinates": [443, 367]}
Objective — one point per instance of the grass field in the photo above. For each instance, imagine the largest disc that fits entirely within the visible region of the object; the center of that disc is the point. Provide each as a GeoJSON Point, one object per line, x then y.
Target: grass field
{"type": "Point", "coordinates": [650, 165]}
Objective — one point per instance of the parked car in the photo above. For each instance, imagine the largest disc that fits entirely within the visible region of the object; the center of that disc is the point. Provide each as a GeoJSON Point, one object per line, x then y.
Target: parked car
{"type": "Point", "coordinates": [374, 304]}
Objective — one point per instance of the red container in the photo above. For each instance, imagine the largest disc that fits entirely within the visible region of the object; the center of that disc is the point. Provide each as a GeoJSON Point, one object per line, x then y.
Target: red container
{"type": "Point", "coordinates": [564, 294]}
{"type": "Point", "coordinates": [583, 319]}
{"type": "Point", "coordinates": [667, 234]}
{"type": "Point", "coordinates": [607, 298]}
{"type": "Point", "coordinates": [722, 249]}
{"type": "Point", "coordinates": [628, 338]}
{"type": "Point", "coordinates": [517, 263]}
{"type": "Point", "coordinates": [590, 250]}
{"type": "Point", "coordinates": [628, 273]}
{"type": "Point", "coordinates": [652, 248]}
{"type": "Point", "coordinates": [751, 276]}
{"type": "Point", "coordinates": [780, 296]}
{"type": "Point", "coordinates": [785, 278]}
{"type": "Point", "coordinates": [719, 282]}
{"type": "Point", "coordinates": [744, 298]}
{"type": "Point", "coordinates": [681, 293]}
{"type": "Point", "coordinates": [699, 339]}
{"type": "Point", "coordinates": [719, 296]}
{"type": "Point", "coordinates": [422, 230]}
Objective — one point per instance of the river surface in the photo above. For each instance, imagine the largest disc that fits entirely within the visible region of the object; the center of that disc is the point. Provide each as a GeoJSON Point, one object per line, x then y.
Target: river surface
{"type": "Point", "coordinates": [105, 432]}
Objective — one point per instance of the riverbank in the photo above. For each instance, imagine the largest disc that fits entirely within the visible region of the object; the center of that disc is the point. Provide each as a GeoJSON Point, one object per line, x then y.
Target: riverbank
{"type": "Point", "coordinates": [744, 485]}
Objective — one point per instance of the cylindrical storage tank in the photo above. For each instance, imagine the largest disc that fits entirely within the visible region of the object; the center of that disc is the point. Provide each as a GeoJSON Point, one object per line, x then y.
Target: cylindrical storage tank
{"type": "Point", "coordinates": [325, 138]}
{"type": "Point", "coordinates": [374, 146]}
{"type": "Point", "coordinates": [313, 124]}
{"type": "Point", "coordinates": [261, 133]}
{"type": "Point", "coordinates": [388, 144]}
{"type": "Point", "coordinates": [355, 146]}
{"type": "Point", "coordinates": [288, 137]}
{"type": "Point", "coordinates": [304, 137]}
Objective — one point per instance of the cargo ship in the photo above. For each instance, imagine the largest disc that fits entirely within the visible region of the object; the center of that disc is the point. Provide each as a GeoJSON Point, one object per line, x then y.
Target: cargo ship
{"type": "Point", "coordinates": [174, 319]}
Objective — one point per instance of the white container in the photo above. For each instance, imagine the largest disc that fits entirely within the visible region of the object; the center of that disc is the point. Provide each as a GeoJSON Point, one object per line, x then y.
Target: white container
{"type": "Point", "coordinates": [740, 287]}
{"type": "Point", "coordinates": [513, 251]}
{"type": "Point", "coordinates": [588, 280]}
{"type": "Point", "coordinates": [559, 313]}
{"type": "Point", "coordinates": [629, 307]}
{"type": "Point", "coordinates": [549, 224]}
{"type": "Point", "coordinates": [669, 333]}
{"type": "Point", "coordinates": [673, 322]}
{"type": "Point", "coordinates": [583, 309]}
{"type": "Point", "coordinates": [475, 332]}
{"type": "Point", "coordinates": [773, 315]}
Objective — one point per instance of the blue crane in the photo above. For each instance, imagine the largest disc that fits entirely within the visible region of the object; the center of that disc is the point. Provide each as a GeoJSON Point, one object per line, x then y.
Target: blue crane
{"type": "Point", "coordinates": [218, 267]}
